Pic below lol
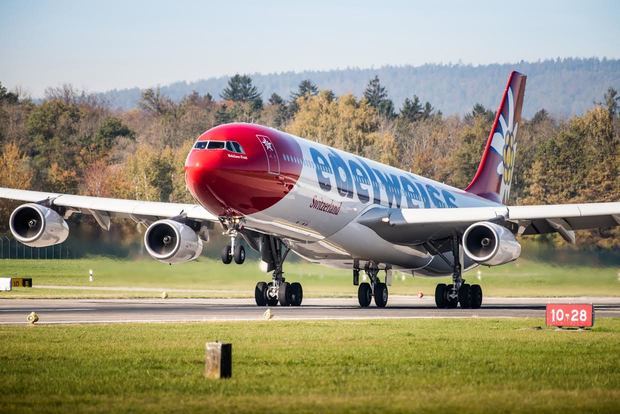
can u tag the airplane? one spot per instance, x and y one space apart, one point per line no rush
278 193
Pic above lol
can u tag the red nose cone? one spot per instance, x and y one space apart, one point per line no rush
239 169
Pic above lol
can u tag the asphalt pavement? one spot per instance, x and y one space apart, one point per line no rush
51 311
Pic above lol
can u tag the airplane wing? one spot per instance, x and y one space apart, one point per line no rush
413 226
102 208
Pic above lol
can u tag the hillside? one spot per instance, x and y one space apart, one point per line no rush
564 87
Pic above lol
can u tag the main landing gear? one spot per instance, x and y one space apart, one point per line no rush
274 252
375 289
458 292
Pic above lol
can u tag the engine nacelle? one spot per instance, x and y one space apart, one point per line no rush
490 244
38 226
172 242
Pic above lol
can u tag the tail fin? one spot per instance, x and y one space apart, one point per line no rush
494 175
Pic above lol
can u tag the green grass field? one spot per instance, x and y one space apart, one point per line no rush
210 278
426 365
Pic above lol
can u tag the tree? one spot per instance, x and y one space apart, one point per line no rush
480 111
377 97
154 103
109 131
342 122
8 97
306 88
411 110
240 89
611 101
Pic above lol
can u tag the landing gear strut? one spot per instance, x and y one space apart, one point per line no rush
274 252
458 292
235 250
377 289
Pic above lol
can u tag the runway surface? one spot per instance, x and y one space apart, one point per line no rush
15 311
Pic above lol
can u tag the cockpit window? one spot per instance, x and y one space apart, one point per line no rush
200 145
229 146
237 147
216 145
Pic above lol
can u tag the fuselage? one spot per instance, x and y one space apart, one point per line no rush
311 195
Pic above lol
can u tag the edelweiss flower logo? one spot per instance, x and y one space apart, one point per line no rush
509 156
504 144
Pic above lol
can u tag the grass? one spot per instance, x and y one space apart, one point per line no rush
210 278
427 365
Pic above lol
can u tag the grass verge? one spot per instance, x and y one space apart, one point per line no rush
210 278
428 365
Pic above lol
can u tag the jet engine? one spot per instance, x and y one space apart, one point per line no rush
490 244
38 226
172 242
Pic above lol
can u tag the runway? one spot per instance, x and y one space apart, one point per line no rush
55 311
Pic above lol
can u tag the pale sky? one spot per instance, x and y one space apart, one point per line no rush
102 45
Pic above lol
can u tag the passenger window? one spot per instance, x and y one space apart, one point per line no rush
216 145
200 145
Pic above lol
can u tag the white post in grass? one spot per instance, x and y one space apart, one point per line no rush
90 275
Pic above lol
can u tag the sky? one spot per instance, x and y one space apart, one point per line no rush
103 45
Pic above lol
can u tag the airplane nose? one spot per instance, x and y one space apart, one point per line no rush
244 177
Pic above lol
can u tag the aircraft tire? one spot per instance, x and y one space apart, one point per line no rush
381 295
364 295
451 303
239 254
284 294
297 294
476 296
260 294
465 296
225 255
441 296
270 301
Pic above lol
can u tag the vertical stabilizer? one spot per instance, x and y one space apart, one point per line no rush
494 175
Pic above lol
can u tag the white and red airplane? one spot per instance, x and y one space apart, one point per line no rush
278 193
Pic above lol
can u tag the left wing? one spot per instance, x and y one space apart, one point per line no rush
413 226
102 208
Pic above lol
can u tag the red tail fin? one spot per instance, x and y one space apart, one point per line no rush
494 175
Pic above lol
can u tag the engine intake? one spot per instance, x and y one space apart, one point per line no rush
490 244
172 242
38 226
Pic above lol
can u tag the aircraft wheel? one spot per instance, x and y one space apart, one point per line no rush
476 296
381 295
297 294
284 294
260 294
239 254
226 256
465 296
271 300
364 295
451 303
441 296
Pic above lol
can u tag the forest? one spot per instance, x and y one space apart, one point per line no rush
75 142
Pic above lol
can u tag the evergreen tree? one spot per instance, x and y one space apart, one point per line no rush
377 97
411 110
240 89
611 101
306 88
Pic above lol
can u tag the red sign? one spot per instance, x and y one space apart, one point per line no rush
572 315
